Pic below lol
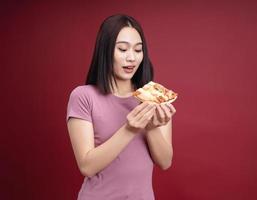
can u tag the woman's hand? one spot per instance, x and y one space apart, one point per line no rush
162 116
140 116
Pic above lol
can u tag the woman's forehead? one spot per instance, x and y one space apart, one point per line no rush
129 35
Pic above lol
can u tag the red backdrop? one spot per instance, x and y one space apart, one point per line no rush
204 51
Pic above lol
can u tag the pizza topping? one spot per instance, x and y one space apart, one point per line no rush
155 92
161 99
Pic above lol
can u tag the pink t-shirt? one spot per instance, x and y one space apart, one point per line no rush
129 176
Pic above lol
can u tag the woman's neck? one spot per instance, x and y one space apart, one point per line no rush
123 88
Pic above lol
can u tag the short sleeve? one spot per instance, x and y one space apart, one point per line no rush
79 104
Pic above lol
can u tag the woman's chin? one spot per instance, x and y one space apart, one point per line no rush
125 77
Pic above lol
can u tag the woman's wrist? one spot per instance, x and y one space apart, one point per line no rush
130 129
151 127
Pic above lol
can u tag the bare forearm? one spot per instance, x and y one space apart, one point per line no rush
161 151
100 157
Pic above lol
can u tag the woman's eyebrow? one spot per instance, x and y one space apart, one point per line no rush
128 42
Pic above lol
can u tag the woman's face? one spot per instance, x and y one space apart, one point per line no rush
128 53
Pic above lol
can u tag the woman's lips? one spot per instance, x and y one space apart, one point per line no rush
129 66
128 69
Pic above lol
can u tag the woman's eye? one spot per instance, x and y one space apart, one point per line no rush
122 49
138 51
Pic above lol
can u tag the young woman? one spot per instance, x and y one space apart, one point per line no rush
115 138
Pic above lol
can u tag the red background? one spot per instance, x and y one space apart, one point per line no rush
205 51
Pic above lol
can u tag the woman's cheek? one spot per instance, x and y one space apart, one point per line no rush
140 58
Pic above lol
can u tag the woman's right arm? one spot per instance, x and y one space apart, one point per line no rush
91 159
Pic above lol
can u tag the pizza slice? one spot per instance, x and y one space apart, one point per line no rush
155 92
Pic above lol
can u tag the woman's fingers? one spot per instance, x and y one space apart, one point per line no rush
144 119
152 114
167 112
155 120
143 110
146 113
153 123
160 114
139 108
141 115
163 114
171 108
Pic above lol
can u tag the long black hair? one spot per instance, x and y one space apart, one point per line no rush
101 69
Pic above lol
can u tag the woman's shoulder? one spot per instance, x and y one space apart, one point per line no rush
84 91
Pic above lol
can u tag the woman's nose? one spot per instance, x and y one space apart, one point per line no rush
131 56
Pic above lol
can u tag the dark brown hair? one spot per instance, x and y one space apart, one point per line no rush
101 68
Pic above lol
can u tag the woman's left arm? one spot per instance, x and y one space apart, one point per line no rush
159 136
